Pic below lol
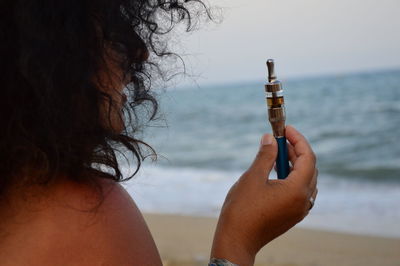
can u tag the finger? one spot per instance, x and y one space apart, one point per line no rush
304 166
266 156
313 199
298 141
314 195
314 180
292 154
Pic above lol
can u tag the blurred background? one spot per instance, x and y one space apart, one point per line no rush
339 62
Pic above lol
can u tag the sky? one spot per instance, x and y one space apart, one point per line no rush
305 37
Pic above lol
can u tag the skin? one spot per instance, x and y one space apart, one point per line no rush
257 209
62 225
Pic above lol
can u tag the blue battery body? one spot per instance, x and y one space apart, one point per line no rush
282 161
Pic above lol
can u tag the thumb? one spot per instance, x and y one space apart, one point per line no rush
266 156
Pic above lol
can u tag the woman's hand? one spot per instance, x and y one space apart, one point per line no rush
257 210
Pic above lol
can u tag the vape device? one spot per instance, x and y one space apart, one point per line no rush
277 117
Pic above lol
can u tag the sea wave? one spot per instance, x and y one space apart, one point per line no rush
351 121
342 205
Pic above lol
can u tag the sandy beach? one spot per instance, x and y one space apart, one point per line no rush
186 240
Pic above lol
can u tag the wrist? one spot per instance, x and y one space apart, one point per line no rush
233 251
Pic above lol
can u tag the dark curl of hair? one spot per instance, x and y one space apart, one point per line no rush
51 55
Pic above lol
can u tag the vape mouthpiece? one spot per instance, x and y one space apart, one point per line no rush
271 70
273 85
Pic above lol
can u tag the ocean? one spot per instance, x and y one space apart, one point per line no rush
208 136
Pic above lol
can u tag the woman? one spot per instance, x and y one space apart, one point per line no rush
75 88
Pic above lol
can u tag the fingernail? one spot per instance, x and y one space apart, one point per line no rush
266 140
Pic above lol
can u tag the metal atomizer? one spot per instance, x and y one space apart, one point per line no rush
277 117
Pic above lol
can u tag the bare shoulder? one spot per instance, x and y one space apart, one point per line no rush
73 232
114 233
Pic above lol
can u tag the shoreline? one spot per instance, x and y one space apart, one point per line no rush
186 240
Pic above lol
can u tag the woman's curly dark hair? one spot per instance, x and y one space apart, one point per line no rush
53 58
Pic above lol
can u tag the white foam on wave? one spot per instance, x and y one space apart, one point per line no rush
342 205
183 190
